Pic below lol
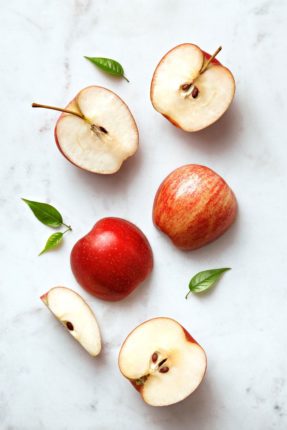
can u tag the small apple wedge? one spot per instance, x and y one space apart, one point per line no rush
191 88
76 315
96 131
162 361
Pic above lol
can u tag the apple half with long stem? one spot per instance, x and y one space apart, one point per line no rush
191 88
194 206
76 315
162 361
96 130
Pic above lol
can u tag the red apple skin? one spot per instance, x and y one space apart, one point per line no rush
63 114
44 297
189 338
206 55
194 206
112 259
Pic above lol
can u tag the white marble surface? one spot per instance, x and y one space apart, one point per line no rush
46 380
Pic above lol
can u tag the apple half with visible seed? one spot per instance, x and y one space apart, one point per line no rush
191 88
162 361
76 315
96 131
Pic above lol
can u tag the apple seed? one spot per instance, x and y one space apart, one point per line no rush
164 369
186 87
195 92
103 130
69 326
162 362
154 357
97 128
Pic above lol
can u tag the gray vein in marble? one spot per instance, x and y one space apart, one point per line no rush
28 20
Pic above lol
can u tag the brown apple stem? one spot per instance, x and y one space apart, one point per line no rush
210 59
36 105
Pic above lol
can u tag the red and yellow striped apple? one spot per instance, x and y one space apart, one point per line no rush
194 206
162 361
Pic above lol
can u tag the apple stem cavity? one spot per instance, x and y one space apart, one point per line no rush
189 88
141 380
205 66
37 105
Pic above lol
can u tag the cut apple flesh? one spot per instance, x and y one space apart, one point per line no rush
190 99
163 361
76 315
105 136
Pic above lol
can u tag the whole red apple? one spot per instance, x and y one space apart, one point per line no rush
194 206
112 259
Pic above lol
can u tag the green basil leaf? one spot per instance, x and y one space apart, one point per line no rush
45 213
204 280
109 66
53 241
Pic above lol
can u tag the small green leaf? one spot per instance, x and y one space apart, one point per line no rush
109 66
53 241
45 213
204 280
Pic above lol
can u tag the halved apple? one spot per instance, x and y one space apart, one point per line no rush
76 315
162 361
96 130
191 88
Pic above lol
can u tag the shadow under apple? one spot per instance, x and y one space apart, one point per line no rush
108 184
189 413
217 247
216 138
